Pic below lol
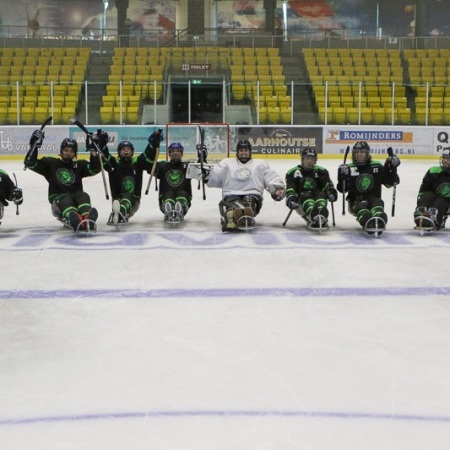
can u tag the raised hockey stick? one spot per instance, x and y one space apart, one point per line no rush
31 151
344 187
287 217
390 152
76 122
202 159
153 170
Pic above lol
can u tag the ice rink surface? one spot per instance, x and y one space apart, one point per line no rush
166 338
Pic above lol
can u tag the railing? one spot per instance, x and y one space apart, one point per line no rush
296 103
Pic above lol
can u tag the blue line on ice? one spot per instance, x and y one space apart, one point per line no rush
225 292
237 414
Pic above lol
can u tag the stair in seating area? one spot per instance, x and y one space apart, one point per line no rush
97 78
295 71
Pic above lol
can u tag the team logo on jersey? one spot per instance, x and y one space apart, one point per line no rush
364 182
444 190
242 174
174 177
128 185
65 177
308 184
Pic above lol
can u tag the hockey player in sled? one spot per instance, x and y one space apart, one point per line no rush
308 189
70 204
362 181
175 182
433 199
125 172
243 181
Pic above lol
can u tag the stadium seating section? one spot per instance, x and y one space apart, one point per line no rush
348 86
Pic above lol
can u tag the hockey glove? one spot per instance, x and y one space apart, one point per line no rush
344 173
293 202
156 138
37 139
278 194
332 194
202 152
392 163
103 138
17 196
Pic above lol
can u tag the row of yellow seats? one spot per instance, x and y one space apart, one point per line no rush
137 69
130 79
45 51
140 60
275 114
35 115
432 102
151 91
428 62
251 90
363 101
426 53
364 115
40 79
125 100
432 116
40 89
42 70
116 114
367 90
274 100
356 52
41 100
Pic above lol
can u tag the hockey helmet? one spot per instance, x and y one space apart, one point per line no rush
68 143
125 144
445 159
243 145
175 146
309 157
361 153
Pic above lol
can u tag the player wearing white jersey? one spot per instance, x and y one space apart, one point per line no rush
243 181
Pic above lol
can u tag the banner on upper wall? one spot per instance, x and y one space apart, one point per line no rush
403 140
283 140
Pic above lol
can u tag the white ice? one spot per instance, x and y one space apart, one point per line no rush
167 338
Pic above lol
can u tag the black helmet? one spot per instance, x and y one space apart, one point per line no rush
125 144
69 142
445 159
361 153
241 145
308 151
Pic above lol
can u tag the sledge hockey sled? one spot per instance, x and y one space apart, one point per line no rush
319 224
424 225
173 217
116 218
375 226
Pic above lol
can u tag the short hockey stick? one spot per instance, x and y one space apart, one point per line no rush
394 190
287 217
76 122
152 173
332 214
344 187
31 151
17 206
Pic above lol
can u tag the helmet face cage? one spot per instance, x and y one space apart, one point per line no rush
70 143
175 146
445 159
243 145
124 144
309 158
361 153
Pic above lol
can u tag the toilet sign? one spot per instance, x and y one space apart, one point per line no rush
197 67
